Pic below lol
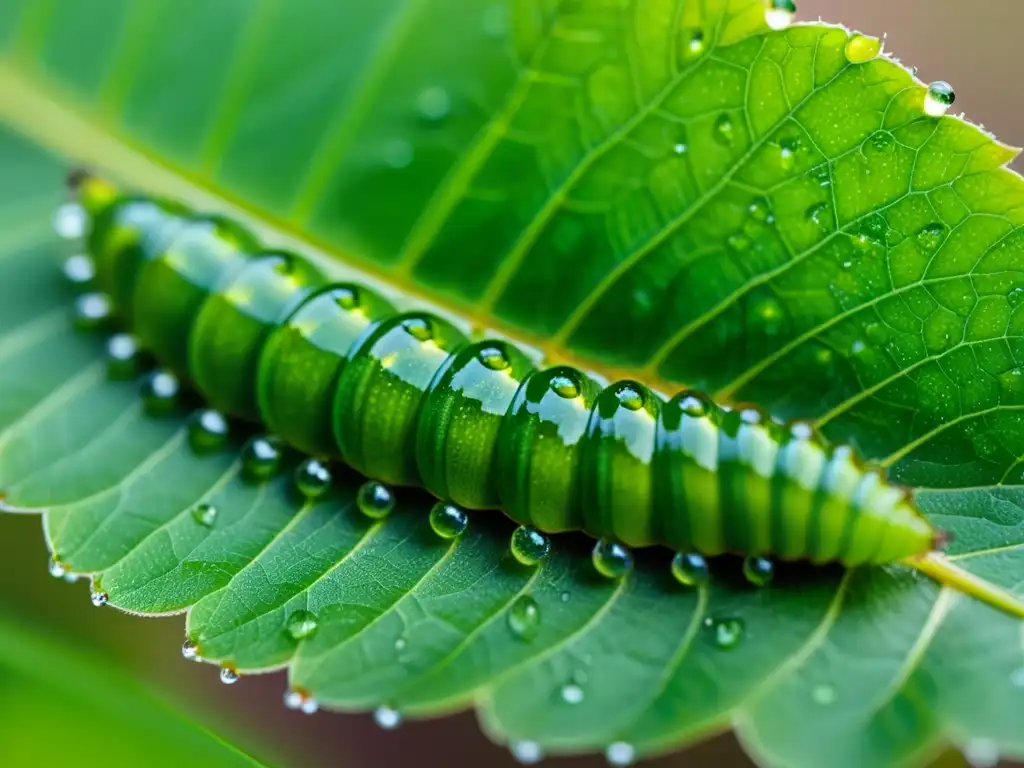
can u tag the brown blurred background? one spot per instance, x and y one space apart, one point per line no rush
972 44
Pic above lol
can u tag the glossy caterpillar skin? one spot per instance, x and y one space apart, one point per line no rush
405 398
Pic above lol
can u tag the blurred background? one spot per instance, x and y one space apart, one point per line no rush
973 45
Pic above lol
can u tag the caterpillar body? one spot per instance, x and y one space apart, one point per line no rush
406 399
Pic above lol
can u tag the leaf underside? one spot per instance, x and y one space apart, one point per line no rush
833 254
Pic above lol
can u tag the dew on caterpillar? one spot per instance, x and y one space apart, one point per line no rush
406 399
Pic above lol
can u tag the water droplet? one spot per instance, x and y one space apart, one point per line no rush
69 221
824 695
620 753
79 269
779 14
1017 677
679 148
694 405
822 175
725 132
770 313
1016 297
529 546
229 675
207 431
565 597
398 154
122 356
629 395
882 143
301 702
611 559
448 520
434 103
692 44
312 479
818 214
92 310
982 753
761 210
690 569
759 570
189 650
787 152
261 458
526 752
57 568
931 236
99 599
302 625
571 693
160 393
739 242
939 99
205 515
493 358
419 328
387 718
861 48
375 500
725 633
524 618
564 386
400 644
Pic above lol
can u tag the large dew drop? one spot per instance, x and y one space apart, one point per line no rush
611 559
69 221
208 431
261 458
387 718
526 752
571 693
375 500
205 515
80 270
189 651
779 14
861 48
312 479
98 598
938 99
57 568
160 393
620 753
524 618
529 546
301 702
759 571
229 675
301 625
448 521
92 310
690 569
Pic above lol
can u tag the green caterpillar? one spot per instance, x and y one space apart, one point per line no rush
405 398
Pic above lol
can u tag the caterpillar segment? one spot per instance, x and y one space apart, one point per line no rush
406 399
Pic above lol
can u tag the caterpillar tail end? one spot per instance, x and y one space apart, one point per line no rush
945 572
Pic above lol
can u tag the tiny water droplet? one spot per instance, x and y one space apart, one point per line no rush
779 14
57 569
725 633
571 693
398 154
160 393
565 597
529 546
375 500
760 210
882 143
400 644
818 214
261 458
207 431
1016 297
387 718
92 310
228 675
611 559
122 356
524 618
692 44
824 695
620 754
189 650
312 479
69 221
99 599
787 153
301 702
739 242
448 520
982 753
690 569
725 132
526 752
931 236
939 98
434 103
205 515
301 625
861 48
679 148
79 269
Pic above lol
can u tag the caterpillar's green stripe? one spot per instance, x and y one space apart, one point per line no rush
407 399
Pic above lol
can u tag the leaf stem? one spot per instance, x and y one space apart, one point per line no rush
940 568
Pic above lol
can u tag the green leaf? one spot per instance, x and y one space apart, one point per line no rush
45 687
756 211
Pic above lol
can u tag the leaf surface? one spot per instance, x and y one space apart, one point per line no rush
764 214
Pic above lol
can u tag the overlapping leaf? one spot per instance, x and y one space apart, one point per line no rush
766 214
